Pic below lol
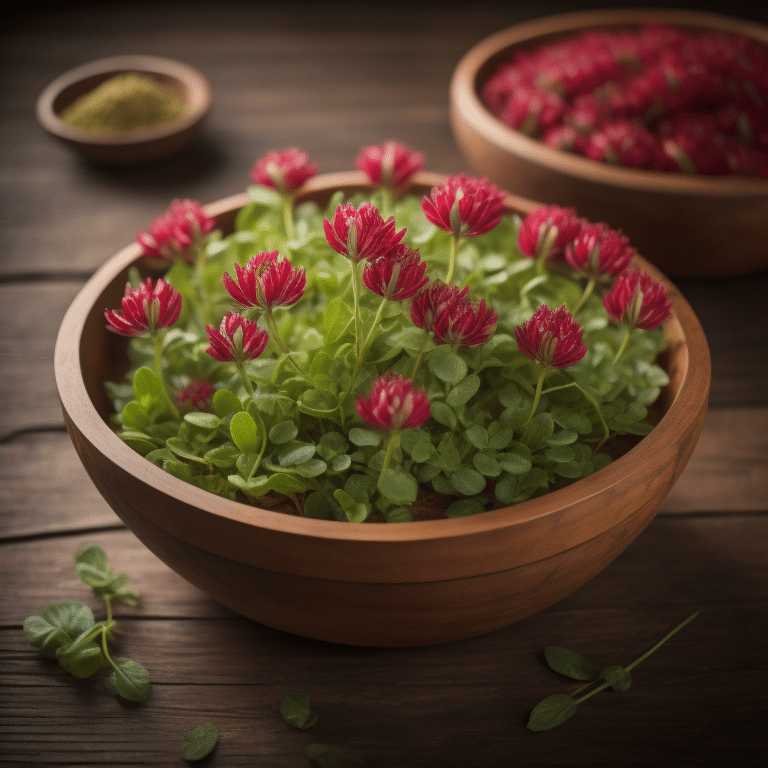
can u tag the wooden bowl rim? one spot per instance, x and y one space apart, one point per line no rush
683 330
197 89
465 98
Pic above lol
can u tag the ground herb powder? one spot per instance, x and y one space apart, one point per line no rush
124 102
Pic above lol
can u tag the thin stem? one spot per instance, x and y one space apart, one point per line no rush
367 342
275 335
624 343
387 196
157 339
246 380
537 395
290 229
588 288
420 357
392 444
356 303
452 259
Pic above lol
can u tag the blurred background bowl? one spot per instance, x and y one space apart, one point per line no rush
139 145
689 225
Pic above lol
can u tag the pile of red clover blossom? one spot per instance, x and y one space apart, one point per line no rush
389 357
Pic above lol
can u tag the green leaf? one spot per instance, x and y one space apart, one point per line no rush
134 416
80 658
539 430
467 481
199 742
331 756
58 625
464 390
486 464
364 437
183 449
223 455
617 676
355 511
294 453
92 567
202 419
147 387
464 508
477 436
569 663
551 712
294 707
447 365
226 402
443 414
131 680
517 460
398 486
44 635
283 432
245 432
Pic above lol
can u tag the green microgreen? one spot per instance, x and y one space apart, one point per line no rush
69 631
559 707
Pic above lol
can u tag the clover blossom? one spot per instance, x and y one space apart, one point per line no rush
545 232
391 164
551 338
174 234
145 309
266 282
434 301
361 233
397 276
236 339
196 395
284 171
394 404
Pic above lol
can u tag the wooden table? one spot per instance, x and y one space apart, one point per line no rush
331 80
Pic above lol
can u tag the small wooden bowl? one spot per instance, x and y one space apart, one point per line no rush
388 584
136 146
688 225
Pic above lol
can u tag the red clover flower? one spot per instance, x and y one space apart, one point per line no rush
196 395
546 231
236 339
361 233
394 404
397 276
174 234
599 250
266 282
145 309
551 338
284 171
391 164
638 300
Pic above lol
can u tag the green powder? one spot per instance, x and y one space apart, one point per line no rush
122 103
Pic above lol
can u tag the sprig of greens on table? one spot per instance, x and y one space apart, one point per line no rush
69 631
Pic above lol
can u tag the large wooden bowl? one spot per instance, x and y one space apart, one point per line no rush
137 146
374 584
687 225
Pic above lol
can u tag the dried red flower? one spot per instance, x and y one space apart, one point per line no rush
284 171
599 250
145 309
197 395
449 313
394 404
236 339
397 276
638 300
266 282
362 233
464 205
391 164
547 230
551 338
173 234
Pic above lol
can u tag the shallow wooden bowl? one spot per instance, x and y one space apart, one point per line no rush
374 584
687 225
130 147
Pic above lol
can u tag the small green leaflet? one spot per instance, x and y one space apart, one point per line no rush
551 712
199 742
294 707
569 663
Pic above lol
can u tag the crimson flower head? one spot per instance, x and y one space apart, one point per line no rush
236 339
361 233
197 395
172 234
599 250
552 338
464 206
397 276
391 164
547 230
266 282
638 300
284 171
145 309
452 316
394 404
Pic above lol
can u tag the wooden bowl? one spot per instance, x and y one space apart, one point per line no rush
688 225
139 145
388 584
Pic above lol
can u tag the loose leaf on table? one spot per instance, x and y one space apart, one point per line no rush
93 569
551 712
199 742
58 625
130 680
569 663
332 756
295 709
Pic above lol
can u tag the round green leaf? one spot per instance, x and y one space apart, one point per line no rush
199 742
467 481
398 486
131 681
202 419
283 432
226 402
447 365
295 709
245 432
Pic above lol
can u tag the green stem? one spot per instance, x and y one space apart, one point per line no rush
537 396
420 357
452 259
263 430
641 658
388 197
201 310
392 444
246 380
274 334
588 288
157 339
624 343
367 342
356 302
287 203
